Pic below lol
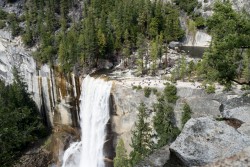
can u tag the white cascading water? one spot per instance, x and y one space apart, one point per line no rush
94 115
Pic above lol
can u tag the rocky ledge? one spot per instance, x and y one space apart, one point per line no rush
205 140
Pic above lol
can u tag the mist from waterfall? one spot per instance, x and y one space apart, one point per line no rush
94 115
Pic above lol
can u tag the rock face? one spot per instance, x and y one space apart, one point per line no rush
37 157
158 159
16 7
198 39
13 54
47 86
237 108
206 6
205 140
124 115
241 159
173 44
200 103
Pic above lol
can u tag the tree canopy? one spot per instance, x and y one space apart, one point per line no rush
230 32
104 29
20 121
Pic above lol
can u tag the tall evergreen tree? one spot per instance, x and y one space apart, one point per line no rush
164 117
121 159
142 47
141 139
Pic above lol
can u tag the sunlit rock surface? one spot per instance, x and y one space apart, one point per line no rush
48 87
205 140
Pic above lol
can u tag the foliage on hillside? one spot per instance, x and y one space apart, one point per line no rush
187 5
20 122
227 59
107 29
186 115
164 121
143 140
121 159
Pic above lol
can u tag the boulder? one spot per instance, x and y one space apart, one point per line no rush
174 44
205 140
2 3
244 129
186 92
241 159
237 108
158 159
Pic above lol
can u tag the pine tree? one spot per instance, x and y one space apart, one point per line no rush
246 70
20 120
27 37
164 117
141 45
141 139
126 49
154 55
153 27
121 159
101 42
183 67
186 115
13 21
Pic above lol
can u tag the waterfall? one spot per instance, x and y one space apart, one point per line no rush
94 115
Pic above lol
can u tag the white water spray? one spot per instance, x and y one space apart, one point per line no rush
94 115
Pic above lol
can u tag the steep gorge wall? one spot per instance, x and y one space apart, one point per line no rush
54 93
125 102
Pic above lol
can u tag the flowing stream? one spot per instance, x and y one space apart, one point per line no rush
94 115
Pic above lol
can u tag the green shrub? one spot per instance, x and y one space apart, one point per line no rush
187 5
137 87
200 22
14 24
245 87
3 14
191 27
186 115
121 158
154 91
170 92
2 24
147 91
210 89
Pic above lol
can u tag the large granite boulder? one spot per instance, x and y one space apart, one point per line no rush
174 44
201 103
158 159
205 140
237 108
241 159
